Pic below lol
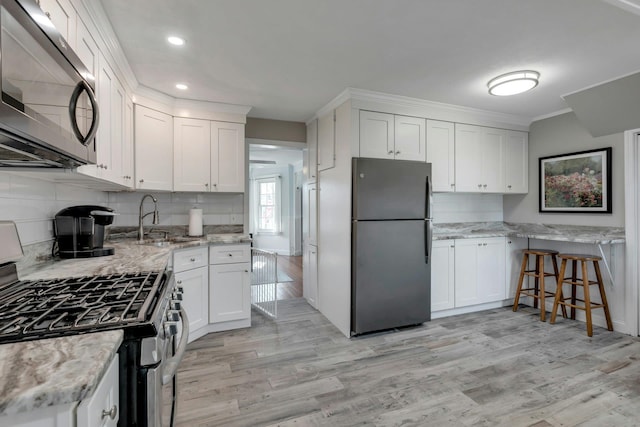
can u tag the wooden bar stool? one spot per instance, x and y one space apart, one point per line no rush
583 281
537 292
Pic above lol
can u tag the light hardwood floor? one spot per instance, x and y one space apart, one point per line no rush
492 368
292 266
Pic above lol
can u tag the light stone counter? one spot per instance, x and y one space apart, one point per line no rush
562 233
56 371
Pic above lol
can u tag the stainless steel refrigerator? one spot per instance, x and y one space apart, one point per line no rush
391 244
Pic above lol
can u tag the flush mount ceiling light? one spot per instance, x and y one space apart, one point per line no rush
182 86
177 41
513 83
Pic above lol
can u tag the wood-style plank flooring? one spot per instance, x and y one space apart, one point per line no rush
491 368
292 266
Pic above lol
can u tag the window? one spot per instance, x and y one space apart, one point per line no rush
268 205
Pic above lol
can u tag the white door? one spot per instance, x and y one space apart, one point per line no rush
468 159
493 141
191 154
153 149
466 272
326 141
440 153
491 270
442 275
377 135
312 151
229 292
195 285
517 162
227 157
310 275
410 137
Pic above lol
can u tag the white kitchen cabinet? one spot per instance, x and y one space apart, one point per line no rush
310 275
86 48
191 154
326 141
227 157
311 153
191 267
229 284
479 271
513 262
388 136
441 155
310 212
517 162
63 16
153 149
105 399
442 275
479 160
127 148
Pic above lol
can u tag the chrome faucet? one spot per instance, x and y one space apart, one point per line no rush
156 219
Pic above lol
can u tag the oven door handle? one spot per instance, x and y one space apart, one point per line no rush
171 366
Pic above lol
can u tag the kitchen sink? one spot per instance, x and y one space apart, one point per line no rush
167 241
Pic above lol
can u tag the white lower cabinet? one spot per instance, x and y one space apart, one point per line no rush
101 409
310 275
513 261
442 275
230 286
195 285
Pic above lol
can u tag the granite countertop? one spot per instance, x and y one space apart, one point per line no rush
562 233
55 371
129 257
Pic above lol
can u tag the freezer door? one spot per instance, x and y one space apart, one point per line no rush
391 279
389 189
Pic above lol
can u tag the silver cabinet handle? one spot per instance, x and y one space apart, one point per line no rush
141 181
192 259
111 413
390 152
206 184
479 244
508 186
230 254
246 271
479 185
397 152
179 282
485 185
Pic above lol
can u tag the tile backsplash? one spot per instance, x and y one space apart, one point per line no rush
457 207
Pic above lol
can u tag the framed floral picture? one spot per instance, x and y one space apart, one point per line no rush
576 182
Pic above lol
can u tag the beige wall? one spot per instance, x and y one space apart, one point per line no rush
558 135
277 130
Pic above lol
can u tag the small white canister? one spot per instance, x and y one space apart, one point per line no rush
195 222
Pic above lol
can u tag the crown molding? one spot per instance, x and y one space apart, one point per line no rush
549 115
601 83
108 40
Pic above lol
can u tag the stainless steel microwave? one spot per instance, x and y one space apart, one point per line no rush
48 109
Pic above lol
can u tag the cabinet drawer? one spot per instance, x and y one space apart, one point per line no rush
93 411
226 254
186 259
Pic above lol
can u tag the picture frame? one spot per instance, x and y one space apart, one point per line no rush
577 182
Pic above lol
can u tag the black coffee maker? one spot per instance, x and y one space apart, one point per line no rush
79 231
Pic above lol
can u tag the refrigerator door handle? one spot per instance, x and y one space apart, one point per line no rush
428 199
428 236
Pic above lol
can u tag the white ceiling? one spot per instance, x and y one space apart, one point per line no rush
288 58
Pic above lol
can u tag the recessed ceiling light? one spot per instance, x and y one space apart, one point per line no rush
177 41
513 83
182 86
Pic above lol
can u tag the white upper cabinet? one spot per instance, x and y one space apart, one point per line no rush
311 154
441 154
326 141
376 135
388 136
479 159
86 48
227 157
127 148
191 154
153 149
409 136
63 16
517 162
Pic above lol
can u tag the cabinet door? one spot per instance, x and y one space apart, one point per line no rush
311 158
409 138
440 153
513 262
195 285
86 48
191 154
104 93
377 135
229 292
468 159
442 275
491 270
153 149
127 146
326 141
517 162
227 157
310 275
493 142
118 103
466 272
313 214
63 16
105 398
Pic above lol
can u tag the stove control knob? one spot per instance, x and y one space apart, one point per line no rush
179 288
175 305
176 296
173 315
170 328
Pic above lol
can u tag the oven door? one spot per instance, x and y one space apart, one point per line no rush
162 384
47 95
